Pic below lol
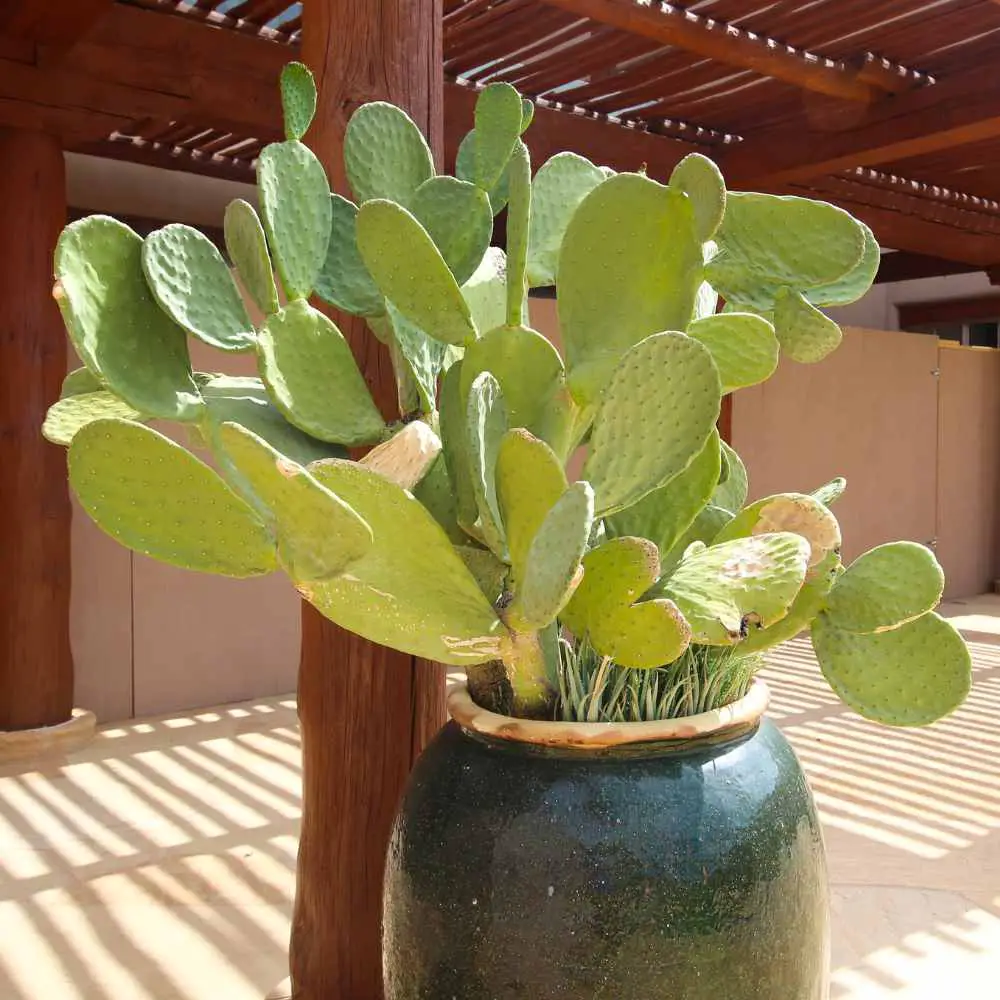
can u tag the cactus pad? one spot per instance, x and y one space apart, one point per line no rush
407 456
154 497
465 169
701 180
247 249
856 282
118 330
295 201
195 288
409 269
455 447
529 371
486 423
412 590
298 99
886 587
80 380
808 603
530 479
437 494
518 223
641 437
527 114
806 335
458 217
743 346
731 493
561 183
344 281
245 401
709 522
829 493
796 512
726 589
486 291
314 379
424 355
665 514
910 676
499 116
553 569
385 154
768 241
603 608
68 416
629 266
488 571
319 535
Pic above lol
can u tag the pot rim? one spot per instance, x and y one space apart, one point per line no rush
738 715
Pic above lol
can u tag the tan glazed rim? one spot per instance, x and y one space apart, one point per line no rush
599 735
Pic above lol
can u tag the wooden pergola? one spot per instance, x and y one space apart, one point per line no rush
887 108
890 108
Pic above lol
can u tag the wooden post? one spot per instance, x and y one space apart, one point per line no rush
36 669
365 711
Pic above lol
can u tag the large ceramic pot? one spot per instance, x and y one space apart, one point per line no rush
556 861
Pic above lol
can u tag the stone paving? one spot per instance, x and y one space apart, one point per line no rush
158 863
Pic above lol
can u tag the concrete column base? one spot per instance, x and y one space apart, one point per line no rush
48 741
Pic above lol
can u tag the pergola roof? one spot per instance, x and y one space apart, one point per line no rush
888 107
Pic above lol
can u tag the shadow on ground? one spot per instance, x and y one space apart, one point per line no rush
158 864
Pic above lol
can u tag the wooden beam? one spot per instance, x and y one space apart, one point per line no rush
36 667
668 24
142 64
905 265
365 710
900 229
963 310
557 128
961 109
144 70
55 26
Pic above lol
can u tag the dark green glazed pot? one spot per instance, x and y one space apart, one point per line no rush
688 869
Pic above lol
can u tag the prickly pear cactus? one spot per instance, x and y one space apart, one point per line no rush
458 535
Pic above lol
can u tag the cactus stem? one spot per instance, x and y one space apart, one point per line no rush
528 672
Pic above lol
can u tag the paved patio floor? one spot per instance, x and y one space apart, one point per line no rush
158 864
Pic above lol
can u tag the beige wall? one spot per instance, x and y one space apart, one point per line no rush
149 638
921 452
968 469
869 413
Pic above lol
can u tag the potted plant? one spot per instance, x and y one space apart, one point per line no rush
610 814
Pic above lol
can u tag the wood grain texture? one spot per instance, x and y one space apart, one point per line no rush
365 710
36 669
668 24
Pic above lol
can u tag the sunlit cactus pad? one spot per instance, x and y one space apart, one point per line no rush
529 503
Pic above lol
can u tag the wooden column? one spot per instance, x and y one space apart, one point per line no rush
36 670
365 711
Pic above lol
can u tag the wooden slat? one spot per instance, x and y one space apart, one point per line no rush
959 110
168 159
139 64
897 229
672 25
